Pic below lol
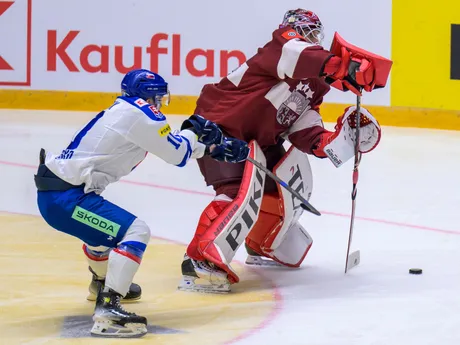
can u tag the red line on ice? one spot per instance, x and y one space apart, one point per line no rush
195 192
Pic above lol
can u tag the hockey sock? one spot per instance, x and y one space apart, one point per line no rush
97 259
124 260
123 264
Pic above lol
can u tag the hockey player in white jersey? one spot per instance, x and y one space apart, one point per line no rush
107 148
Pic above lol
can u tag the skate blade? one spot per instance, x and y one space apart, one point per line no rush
253 260
92 298
108 329
189 285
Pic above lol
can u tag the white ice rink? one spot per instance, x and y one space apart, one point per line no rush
408 210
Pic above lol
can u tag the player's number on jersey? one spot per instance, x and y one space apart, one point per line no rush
175 140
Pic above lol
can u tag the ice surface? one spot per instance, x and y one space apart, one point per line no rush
408 210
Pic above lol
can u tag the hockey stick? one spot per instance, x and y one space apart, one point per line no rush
305 204
353 259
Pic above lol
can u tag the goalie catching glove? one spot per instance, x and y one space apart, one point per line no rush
339 145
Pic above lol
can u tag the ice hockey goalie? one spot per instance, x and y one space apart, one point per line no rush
274 97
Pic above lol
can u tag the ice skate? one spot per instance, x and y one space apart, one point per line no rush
255 259
215 278
111 320
133 294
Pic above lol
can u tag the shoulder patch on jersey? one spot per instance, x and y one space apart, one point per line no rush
156 112
140 102
290 34
151 111
165 130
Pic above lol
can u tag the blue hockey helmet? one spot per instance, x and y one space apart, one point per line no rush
145 84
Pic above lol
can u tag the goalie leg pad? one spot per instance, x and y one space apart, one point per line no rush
218 240
294 246
207 218
270 219
276 235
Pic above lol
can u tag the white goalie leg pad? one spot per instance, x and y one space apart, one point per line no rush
294 246
342 148
289 243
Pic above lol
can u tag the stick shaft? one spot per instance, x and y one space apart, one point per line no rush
306 205
355 179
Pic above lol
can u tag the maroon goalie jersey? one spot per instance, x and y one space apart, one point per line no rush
274 95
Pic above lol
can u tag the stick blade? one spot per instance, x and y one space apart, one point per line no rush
353 260
310 208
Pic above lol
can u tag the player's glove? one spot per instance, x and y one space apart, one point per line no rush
350 73
231 150
339 145
207 131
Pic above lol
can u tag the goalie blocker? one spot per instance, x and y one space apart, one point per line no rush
267 222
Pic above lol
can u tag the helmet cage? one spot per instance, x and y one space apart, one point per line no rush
313 34
306 23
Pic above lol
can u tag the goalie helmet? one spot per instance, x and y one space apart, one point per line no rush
145 84
306 23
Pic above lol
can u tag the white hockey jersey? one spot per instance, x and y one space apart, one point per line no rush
112 144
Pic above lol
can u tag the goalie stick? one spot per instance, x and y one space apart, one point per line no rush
353 259
305 204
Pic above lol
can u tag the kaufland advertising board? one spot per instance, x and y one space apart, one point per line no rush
87 45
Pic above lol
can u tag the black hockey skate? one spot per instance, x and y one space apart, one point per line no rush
111 320
215 279
133 294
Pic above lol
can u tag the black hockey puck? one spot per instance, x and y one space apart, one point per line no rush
415 271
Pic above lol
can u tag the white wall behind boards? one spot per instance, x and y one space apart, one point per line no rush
86 45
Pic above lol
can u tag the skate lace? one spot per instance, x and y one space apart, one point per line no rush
120 307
